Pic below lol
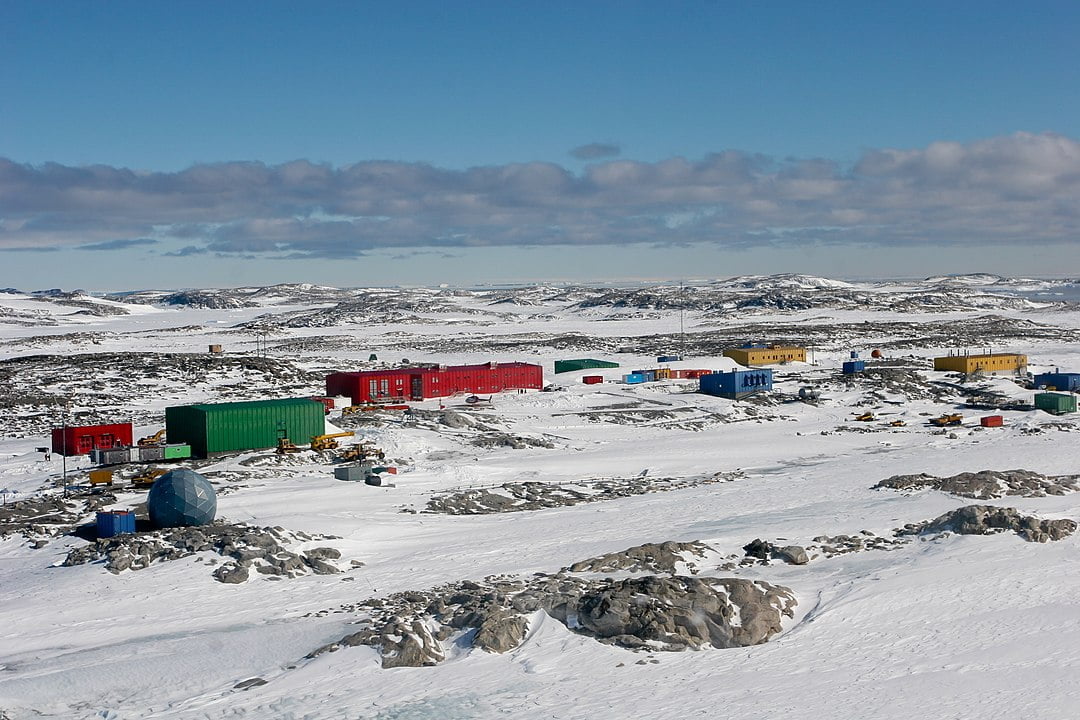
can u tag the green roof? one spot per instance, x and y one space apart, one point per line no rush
283 402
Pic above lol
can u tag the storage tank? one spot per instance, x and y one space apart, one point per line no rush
181 498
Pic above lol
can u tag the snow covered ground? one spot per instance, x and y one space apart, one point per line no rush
952 626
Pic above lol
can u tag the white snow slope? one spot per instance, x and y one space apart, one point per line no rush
942 627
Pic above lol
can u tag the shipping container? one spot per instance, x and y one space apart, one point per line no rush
81 439
650 375
115 522
177 452
562 366
352 473
225 427
668 358
592 379
101 477
432 381
1055 403
633 378
853 366
992 421
155 453
114 456
736 384
1067 382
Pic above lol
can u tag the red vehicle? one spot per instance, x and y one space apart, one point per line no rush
432 381
81 439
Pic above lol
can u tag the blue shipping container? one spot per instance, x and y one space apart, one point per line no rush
115 522
736 383
669 358
854 366
650 375
854 355
1059 381
633 378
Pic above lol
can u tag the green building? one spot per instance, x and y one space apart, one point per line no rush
562 366
224 427
1055 403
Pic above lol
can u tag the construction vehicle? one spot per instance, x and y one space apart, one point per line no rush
865 417
359 453
947 419
286 446
897 423
328 441
157 438
147 477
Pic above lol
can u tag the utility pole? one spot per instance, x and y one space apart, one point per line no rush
63 445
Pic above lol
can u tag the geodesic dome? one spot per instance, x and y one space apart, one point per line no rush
181 498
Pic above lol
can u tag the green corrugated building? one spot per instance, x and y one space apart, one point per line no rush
1055 403
224 427
562 366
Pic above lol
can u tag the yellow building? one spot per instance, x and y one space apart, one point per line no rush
766 355
1005 362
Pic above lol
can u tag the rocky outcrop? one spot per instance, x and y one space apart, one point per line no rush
654 612
248 547
987 483
651 557
988 519
523 496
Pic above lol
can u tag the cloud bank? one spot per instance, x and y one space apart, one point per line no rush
1022 188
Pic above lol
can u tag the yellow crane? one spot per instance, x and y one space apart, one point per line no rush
328 441
157 438
147 477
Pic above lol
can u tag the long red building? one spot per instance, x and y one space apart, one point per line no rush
81 439
432 381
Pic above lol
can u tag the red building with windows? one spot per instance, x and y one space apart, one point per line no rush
81 439
432 381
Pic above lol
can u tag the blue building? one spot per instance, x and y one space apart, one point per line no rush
736 384
853 366
1059 381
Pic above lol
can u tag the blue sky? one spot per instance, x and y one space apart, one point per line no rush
356 143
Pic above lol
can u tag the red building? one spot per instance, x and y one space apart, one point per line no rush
81 439
432 381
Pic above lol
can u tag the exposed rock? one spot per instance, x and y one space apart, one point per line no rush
759 549
249 683
987 483
650 557
523 496
988 519
793 554
658 613
231 573
500 631
243 544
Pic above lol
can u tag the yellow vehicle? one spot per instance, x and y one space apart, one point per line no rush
897 423
947 419
328 441
147 477
865 417
286 446
157 438
359 453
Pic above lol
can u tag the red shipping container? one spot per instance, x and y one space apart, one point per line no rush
592 379
992 421
81 439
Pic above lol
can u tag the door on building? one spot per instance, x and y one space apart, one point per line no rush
416 388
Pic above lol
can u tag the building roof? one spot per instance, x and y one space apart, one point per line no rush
423 369
211 407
